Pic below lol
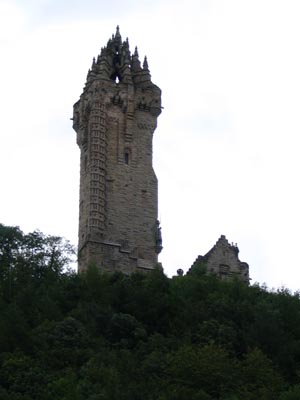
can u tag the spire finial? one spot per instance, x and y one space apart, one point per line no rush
117 36
145 64
135 62
94 64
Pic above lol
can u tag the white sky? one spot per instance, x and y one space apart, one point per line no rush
227 143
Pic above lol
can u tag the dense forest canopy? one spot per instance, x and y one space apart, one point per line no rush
65 336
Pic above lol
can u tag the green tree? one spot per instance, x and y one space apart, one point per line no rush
258 377
292 393
28 257
208 369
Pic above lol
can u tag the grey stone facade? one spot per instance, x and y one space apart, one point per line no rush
223 261
115 119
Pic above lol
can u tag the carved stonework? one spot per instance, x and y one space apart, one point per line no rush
148 127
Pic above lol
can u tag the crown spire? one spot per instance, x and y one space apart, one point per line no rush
115 61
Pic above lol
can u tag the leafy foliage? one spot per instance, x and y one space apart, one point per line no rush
110 336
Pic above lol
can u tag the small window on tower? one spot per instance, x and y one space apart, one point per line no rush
126 157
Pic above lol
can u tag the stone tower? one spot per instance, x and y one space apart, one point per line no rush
115 119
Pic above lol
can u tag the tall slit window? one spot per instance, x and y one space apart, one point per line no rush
126 157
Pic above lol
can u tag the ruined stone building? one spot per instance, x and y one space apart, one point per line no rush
223 260
115 119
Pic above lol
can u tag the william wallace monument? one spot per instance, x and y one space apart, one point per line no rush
115 119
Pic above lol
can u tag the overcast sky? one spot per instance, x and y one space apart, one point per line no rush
226 150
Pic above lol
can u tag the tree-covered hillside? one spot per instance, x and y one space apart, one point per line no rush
95 336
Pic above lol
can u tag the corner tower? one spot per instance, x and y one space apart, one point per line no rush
115 119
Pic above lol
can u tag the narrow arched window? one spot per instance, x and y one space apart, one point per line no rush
126 157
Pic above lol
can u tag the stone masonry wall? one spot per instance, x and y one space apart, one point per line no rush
223 261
